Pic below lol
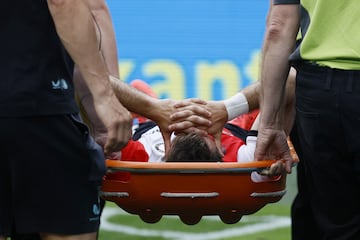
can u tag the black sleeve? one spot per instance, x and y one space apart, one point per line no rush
286 2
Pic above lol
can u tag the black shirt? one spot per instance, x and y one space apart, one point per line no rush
35 69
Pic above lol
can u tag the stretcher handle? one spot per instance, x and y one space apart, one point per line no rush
189 195
268 194
114 194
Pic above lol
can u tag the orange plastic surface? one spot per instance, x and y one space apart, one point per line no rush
190 190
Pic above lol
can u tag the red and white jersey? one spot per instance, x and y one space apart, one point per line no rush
150 147
235 149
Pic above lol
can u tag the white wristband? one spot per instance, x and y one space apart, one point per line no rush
236 105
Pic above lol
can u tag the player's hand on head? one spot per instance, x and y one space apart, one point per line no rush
191 115
218 117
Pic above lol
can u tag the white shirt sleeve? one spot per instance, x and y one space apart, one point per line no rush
246 152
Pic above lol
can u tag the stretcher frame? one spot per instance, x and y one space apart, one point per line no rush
190 190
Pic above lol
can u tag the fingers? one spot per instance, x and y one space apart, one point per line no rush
100 138
190 114
272 144
190 101
192 130
276 169
167 141
111 150
119 133
288 163
190 107
260 149
217 139
117 140
190 124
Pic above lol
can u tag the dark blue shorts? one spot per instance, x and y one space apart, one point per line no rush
50 175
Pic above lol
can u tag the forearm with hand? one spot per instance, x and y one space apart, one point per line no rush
223 111
278 44
137 101
75 27
158 110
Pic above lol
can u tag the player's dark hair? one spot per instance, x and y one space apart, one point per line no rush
192 148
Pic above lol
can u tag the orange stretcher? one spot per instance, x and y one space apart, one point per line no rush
190 190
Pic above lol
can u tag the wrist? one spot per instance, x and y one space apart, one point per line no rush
236 105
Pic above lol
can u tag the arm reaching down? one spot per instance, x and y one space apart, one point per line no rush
75 26
280 37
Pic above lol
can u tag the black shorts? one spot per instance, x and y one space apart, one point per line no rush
50 175
327 141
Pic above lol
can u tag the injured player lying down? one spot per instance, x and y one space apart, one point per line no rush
238 145
238 141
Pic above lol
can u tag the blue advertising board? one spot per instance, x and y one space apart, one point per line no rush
190 48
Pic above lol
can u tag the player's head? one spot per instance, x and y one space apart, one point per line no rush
193 147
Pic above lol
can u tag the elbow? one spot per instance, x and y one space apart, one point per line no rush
98 7
283 23
275 29
59 7
57 3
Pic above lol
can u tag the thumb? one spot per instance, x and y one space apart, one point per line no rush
260 150
167 142
288 162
